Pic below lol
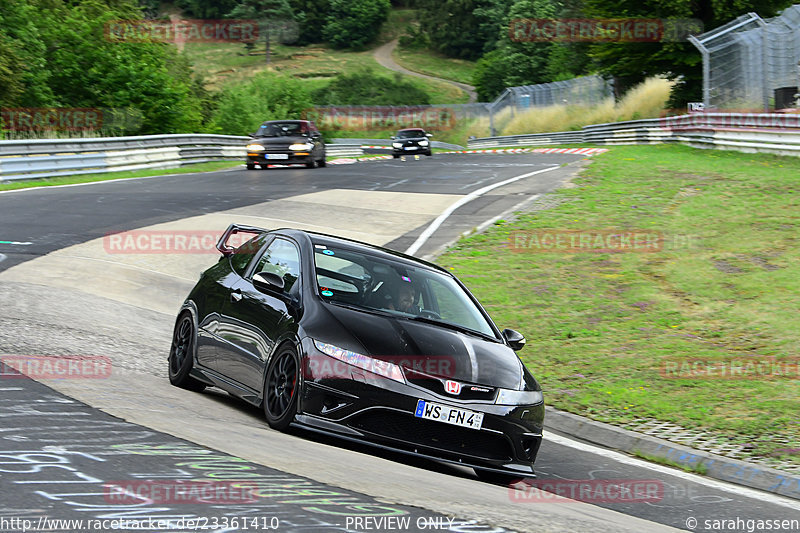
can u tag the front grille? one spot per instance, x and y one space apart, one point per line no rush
446 437
436 385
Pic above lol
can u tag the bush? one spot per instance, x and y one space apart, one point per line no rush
364 87
267 96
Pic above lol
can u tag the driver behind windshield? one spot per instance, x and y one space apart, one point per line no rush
404 300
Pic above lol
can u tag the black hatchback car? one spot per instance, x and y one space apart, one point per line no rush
360 342
286 142
411 141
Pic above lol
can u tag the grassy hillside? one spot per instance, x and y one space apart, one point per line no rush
224 63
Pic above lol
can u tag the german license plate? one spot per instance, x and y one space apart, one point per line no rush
448 415
410 148
276 156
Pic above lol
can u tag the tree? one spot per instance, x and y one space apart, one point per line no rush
463 29
273 15
266 96
630 63
63 58
352 24
207 9
515 62
311 16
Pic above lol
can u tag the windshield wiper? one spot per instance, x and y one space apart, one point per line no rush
450 325
361 308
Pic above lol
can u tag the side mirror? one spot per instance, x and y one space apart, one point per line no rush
429 135
252 135
392 137
268 282
514 339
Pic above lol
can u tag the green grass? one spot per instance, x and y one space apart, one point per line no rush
434 64
89 178
601 326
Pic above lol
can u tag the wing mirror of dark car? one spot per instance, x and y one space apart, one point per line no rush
429 135
268 282
514 339
393 137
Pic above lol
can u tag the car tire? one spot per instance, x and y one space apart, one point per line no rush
181 354
322 162
429 153
251 166
311 163
396 156
281 388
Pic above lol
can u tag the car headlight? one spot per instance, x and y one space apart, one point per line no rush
364 362
397 145
518 397
254 147
301 146
423 143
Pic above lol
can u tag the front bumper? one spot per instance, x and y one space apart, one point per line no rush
410 150
365 407
276 158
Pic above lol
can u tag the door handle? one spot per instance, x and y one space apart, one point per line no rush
236 296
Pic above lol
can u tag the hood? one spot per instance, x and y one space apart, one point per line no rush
422 349
266 141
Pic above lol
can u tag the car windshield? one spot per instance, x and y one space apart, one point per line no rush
410 134
374 284
281 129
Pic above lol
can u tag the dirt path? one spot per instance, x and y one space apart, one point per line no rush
383 55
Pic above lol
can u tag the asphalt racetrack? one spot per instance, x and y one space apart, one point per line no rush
68 288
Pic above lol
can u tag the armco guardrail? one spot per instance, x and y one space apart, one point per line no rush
46 158
388 143
561 137
777 133
346 150
49 158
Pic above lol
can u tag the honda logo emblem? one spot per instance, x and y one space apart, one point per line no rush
453 387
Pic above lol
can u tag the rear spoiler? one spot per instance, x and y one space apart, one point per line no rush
222 243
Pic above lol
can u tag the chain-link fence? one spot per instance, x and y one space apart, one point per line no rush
751 63
584 91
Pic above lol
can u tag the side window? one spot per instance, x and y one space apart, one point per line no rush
245 253
281 258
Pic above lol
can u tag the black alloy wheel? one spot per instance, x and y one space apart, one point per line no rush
181 355
281 388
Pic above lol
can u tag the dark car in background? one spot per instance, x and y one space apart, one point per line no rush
361 342
286 142
411 141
